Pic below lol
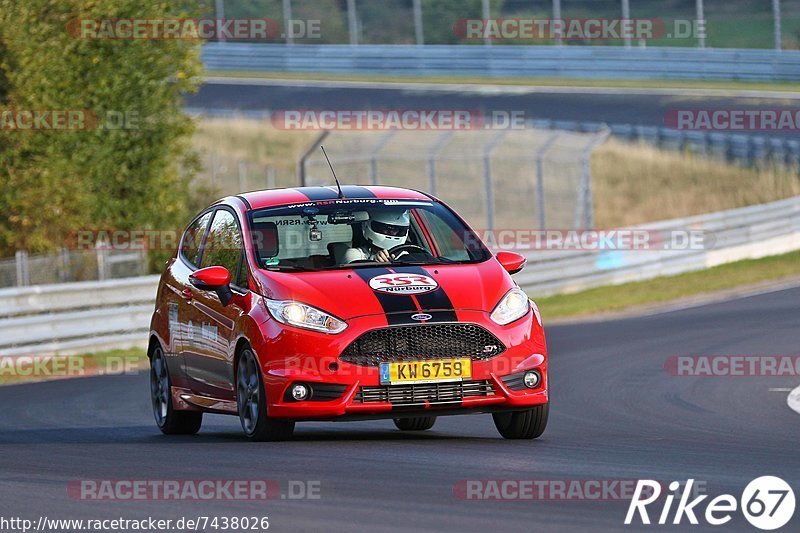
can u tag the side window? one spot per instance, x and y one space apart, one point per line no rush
224 243
193 239
451 245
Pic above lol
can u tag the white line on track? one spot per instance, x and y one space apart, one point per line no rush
794 400
502 89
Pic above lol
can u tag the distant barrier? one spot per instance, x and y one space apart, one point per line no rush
609 62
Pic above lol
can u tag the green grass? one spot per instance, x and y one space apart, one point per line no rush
665 289
549 82
107 362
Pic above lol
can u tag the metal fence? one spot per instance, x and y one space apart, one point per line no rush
71 265
743 149
494 178
700 23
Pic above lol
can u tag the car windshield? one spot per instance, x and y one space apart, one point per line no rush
349 233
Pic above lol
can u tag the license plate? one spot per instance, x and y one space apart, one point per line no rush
426 371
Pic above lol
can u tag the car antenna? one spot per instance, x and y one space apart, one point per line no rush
341 194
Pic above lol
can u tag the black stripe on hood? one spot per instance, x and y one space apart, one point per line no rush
435 300
398 308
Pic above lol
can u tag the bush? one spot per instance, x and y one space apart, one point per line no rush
56 182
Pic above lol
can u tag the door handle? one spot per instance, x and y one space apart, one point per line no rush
187 294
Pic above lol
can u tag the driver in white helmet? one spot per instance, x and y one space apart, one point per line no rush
383 231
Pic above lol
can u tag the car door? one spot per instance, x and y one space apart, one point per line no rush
211 329
180 289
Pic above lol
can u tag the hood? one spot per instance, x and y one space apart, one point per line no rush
394 289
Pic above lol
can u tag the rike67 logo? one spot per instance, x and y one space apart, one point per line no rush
767 503
403 283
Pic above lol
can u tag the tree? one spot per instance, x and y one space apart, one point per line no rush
128 170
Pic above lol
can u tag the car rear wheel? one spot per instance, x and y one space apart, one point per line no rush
418 423
252 401
170 421
522 424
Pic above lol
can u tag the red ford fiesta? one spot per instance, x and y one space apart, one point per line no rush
317 303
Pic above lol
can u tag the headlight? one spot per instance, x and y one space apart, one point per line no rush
304 316
512 306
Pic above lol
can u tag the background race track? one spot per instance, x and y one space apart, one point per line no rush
646 107
616 414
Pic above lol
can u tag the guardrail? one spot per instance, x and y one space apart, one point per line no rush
509 61
744 233
90 316
76 317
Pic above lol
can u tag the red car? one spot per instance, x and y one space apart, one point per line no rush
362 303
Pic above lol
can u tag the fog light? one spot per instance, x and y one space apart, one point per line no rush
531 379
299 392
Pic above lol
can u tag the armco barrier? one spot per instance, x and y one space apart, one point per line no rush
90 316
509 61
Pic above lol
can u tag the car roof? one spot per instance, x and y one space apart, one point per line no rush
277 197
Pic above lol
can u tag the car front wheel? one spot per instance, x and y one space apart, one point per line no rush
528 424
251 401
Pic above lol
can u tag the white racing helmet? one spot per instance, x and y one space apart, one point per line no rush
387 228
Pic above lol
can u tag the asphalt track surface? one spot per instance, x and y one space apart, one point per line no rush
646 108
616 414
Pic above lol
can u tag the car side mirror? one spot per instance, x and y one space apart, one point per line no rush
214 278
511 261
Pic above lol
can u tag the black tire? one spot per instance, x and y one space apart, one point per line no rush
169 421
418 423
251 401
528 424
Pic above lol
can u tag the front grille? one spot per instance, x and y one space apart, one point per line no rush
422 342
419 393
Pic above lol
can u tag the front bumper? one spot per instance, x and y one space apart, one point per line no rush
297 356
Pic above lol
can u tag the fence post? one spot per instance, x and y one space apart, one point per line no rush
287 21
65 264
776 17
270 177
352 21
418 29
701 19
626 15
487 13
540 178
584 200
102 256
301 163
219 9
23 272
373 161
487 176
557 17
431 163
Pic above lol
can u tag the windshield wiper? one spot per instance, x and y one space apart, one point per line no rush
287 268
